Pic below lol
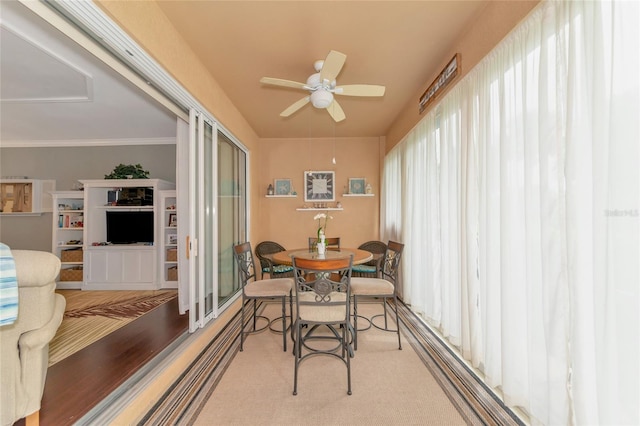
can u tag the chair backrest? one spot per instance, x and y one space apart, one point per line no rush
267 247
246 264
332 243
375 247
322 283
391 261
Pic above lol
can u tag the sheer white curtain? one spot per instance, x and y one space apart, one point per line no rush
520 215
391 197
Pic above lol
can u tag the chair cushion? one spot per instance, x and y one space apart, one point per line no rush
319 313
278 269
276 287
371 287
364 268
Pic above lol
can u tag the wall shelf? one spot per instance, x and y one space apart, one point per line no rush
26 197
281 196
358 195
311 209
132 207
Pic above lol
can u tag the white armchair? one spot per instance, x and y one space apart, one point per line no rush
24 345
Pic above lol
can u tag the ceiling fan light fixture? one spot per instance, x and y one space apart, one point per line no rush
321 98
322 86
314 80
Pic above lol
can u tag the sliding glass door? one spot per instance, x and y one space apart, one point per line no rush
202 218
217 216
232 211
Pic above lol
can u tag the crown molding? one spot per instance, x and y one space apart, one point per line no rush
86 142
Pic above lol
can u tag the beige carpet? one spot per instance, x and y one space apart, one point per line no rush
390 386
91 315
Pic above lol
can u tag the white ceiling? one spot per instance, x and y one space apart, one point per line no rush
53 92
66 94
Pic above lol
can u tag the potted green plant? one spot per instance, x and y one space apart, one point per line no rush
129 171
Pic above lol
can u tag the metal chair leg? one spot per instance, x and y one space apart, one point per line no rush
386 321
255 313
355 322
296 354
395 303
291 313
345 342
284 326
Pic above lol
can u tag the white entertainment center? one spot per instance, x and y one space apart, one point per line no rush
107 266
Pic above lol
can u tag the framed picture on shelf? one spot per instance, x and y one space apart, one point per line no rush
282 187
173 220
319 186
172 239
356 185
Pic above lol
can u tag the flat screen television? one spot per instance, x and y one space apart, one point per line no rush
128 227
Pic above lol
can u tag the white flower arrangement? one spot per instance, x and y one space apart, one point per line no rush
322 228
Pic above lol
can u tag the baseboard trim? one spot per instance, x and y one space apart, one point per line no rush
473 398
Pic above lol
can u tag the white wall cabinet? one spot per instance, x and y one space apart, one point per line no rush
121 266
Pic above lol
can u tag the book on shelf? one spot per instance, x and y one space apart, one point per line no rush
70 220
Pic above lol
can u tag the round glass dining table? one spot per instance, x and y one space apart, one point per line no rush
284 257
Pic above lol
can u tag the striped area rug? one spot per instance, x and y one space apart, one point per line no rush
91 315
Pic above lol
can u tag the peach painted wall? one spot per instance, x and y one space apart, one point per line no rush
289 158
493 23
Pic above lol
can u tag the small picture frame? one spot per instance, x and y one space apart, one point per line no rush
172 239
173 220
356 185
319 186
282 187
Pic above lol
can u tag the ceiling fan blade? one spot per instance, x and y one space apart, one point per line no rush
281 82
360 90
335 111
295 106
332 66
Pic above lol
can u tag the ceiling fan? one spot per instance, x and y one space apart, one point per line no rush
322 86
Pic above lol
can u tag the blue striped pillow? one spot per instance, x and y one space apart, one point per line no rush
8 287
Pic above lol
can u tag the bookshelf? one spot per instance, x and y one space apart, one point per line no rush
67 237
169 240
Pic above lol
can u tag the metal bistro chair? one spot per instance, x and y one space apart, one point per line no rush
332 243
267 266
371 269
252 289
384 288
322 289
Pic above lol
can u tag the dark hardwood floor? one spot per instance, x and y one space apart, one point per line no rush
78 383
